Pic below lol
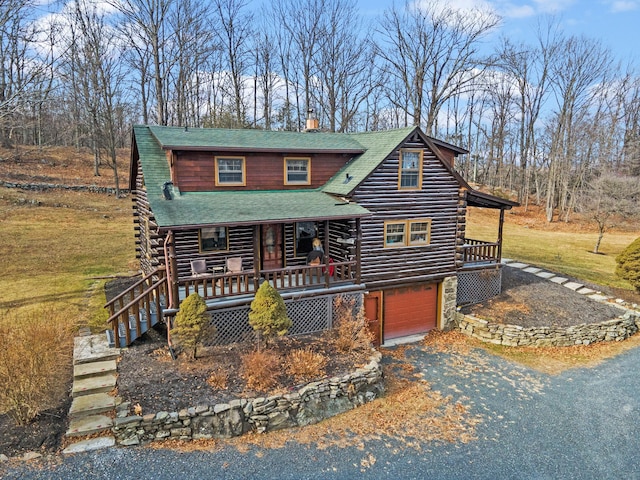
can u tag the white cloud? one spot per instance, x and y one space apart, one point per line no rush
518 11
509 9
618 6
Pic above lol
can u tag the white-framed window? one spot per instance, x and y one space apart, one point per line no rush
419 232
230 171
395 234
297 171
213 239
407 233
410 169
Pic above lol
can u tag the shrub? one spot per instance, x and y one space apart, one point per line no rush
350 332
35 363
305 364
268 315
261 369
191 324
628 264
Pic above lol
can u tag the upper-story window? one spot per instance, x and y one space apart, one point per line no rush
230 171
297 171
410 170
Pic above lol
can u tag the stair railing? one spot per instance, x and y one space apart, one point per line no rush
139 297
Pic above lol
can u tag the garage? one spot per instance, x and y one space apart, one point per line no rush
410 310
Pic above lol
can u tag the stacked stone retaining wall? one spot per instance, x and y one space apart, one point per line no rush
310 404
584 334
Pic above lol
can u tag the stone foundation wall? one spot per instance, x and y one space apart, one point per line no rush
513 335
310 404
449 302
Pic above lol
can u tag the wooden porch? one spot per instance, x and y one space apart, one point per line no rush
218 286
145 303
477 253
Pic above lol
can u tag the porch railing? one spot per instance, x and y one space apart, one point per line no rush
478 251
214 285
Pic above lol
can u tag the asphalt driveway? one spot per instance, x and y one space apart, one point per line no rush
580 424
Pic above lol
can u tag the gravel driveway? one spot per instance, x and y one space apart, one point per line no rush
580 424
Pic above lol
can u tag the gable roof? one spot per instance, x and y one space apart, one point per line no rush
235 140
188 210
378 146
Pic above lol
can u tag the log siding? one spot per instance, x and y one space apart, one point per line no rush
438 200
195 171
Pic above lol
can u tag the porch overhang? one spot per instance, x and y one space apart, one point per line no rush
485 200
197 209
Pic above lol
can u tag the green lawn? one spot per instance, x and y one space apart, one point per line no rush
53 245
566 252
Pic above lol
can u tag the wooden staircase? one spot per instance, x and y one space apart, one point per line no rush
137 309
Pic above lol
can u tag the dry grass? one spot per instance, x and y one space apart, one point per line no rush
261 369
56 250
34 359
218 380
304 364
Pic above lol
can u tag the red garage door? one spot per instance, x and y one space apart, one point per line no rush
410 310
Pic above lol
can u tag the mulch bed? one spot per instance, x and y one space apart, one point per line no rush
149 377
530 301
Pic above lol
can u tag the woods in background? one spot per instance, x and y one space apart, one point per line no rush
544 119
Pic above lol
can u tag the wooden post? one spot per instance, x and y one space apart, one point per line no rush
172 271
326 253
256 258
500 235
358 249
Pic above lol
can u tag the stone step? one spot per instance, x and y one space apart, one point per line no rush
91 385
93 348
94 369
85 405
90 445
89 425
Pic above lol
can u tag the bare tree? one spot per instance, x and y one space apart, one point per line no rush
580 65
610 197
149 19
433 51
234 35
100 75
302 27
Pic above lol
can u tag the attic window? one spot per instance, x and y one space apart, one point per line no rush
230 171
410 170
297 171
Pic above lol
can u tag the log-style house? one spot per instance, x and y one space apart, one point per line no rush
220 211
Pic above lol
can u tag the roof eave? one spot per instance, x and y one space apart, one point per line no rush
165 228
212 148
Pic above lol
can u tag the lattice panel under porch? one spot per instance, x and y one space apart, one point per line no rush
478 285
309 315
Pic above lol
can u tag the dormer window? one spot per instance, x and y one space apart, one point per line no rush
297 171
230 171
410 170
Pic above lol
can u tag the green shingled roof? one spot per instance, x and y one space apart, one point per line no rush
252 207
378 146
247 139
229 207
